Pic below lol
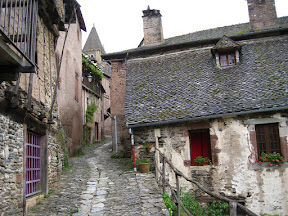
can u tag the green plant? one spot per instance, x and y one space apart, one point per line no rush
61 138
117 155
200 159
73 212
78 153
274 159
88 67
169 205
147 145
142 161
216 208
46 196
91 109
68 168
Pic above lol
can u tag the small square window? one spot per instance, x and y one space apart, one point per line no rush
227 60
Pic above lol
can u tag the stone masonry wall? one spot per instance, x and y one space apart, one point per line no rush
234 171
11 166
55 159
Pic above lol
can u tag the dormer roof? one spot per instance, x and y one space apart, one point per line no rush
225 44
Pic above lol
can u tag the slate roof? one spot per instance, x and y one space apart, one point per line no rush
93 42
188 84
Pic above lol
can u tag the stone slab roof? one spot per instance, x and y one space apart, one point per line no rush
93 42
188 84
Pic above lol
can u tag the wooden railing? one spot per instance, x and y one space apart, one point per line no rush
18 21
176 190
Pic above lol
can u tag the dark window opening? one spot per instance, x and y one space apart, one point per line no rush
199 144
268 138
227 59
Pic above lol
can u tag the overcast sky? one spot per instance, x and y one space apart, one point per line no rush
119 22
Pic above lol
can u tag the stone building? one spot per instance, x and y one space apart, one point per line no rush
70 83
93 95
205 94
94 49
32 142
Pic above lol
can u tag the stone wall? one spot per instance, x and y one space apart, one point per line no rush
55 159
11 166
233 171
15 120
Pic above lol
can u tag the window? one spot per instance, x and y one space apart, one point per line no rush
268 138
33 164
199 144
227 59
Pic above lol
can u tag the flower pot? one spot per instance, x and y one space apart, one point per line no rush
144 168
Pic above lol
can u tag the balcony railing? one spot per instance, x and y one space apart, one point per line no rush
18 21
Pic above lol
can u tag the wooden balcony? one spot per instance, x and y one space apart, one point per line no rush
18 22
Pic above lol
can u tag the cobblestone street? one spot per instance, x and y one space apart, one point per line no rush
99 185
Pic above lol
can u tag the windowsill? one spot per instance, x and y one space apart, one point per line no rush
257 166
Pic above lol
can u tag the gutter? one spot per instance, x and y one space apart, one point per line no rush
205 117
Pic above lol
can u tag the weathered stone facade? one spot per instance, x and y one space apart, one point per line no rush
16 121
11 165
234 171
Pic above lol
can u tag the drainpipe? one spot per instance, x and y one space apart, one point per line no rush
85 105
133 149
116 146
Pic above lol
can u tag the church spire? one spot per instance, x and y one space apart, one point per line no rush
93 42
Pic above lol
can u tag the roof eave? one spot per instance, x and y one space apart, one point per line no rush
206 117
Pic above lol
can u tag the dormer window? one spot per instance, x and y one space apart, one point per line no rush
226 52
227 59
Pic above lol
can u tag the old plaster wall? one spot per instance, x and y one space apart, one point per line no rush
106 104
70 107
234 171
118 90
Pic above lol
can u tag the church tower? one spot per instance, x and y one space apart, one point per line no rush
93 47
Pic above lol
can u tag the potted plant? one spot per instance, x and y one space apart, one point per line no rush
201 161
122 138
143 165
147 145
273 159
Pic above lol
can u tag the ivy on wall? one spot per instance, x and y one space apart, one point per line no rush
91 109
89 68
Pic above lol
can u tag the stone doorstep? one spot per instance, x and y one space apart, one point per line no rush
31 202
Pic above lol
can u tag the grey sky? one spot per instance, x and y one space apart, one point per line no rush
119 23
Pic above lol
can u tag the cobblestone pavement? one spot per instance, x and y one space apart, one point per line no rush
98 185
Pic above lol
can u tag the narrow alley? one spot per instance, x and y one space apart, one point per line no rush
99 185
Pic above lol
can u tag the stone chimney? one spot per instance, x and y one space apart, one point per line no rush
262 14
152 24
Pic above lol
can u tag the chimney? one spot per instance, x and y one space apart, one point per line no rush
152 23
262 14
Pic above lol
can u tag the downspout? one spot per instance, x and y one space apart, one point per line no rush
133 149
85 105
116 146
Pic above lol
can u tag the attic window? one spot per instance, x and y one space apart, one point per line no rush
226 52
227 59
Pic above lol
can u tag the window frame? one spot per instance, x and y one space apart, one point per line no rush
209 150
266 128
227 57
